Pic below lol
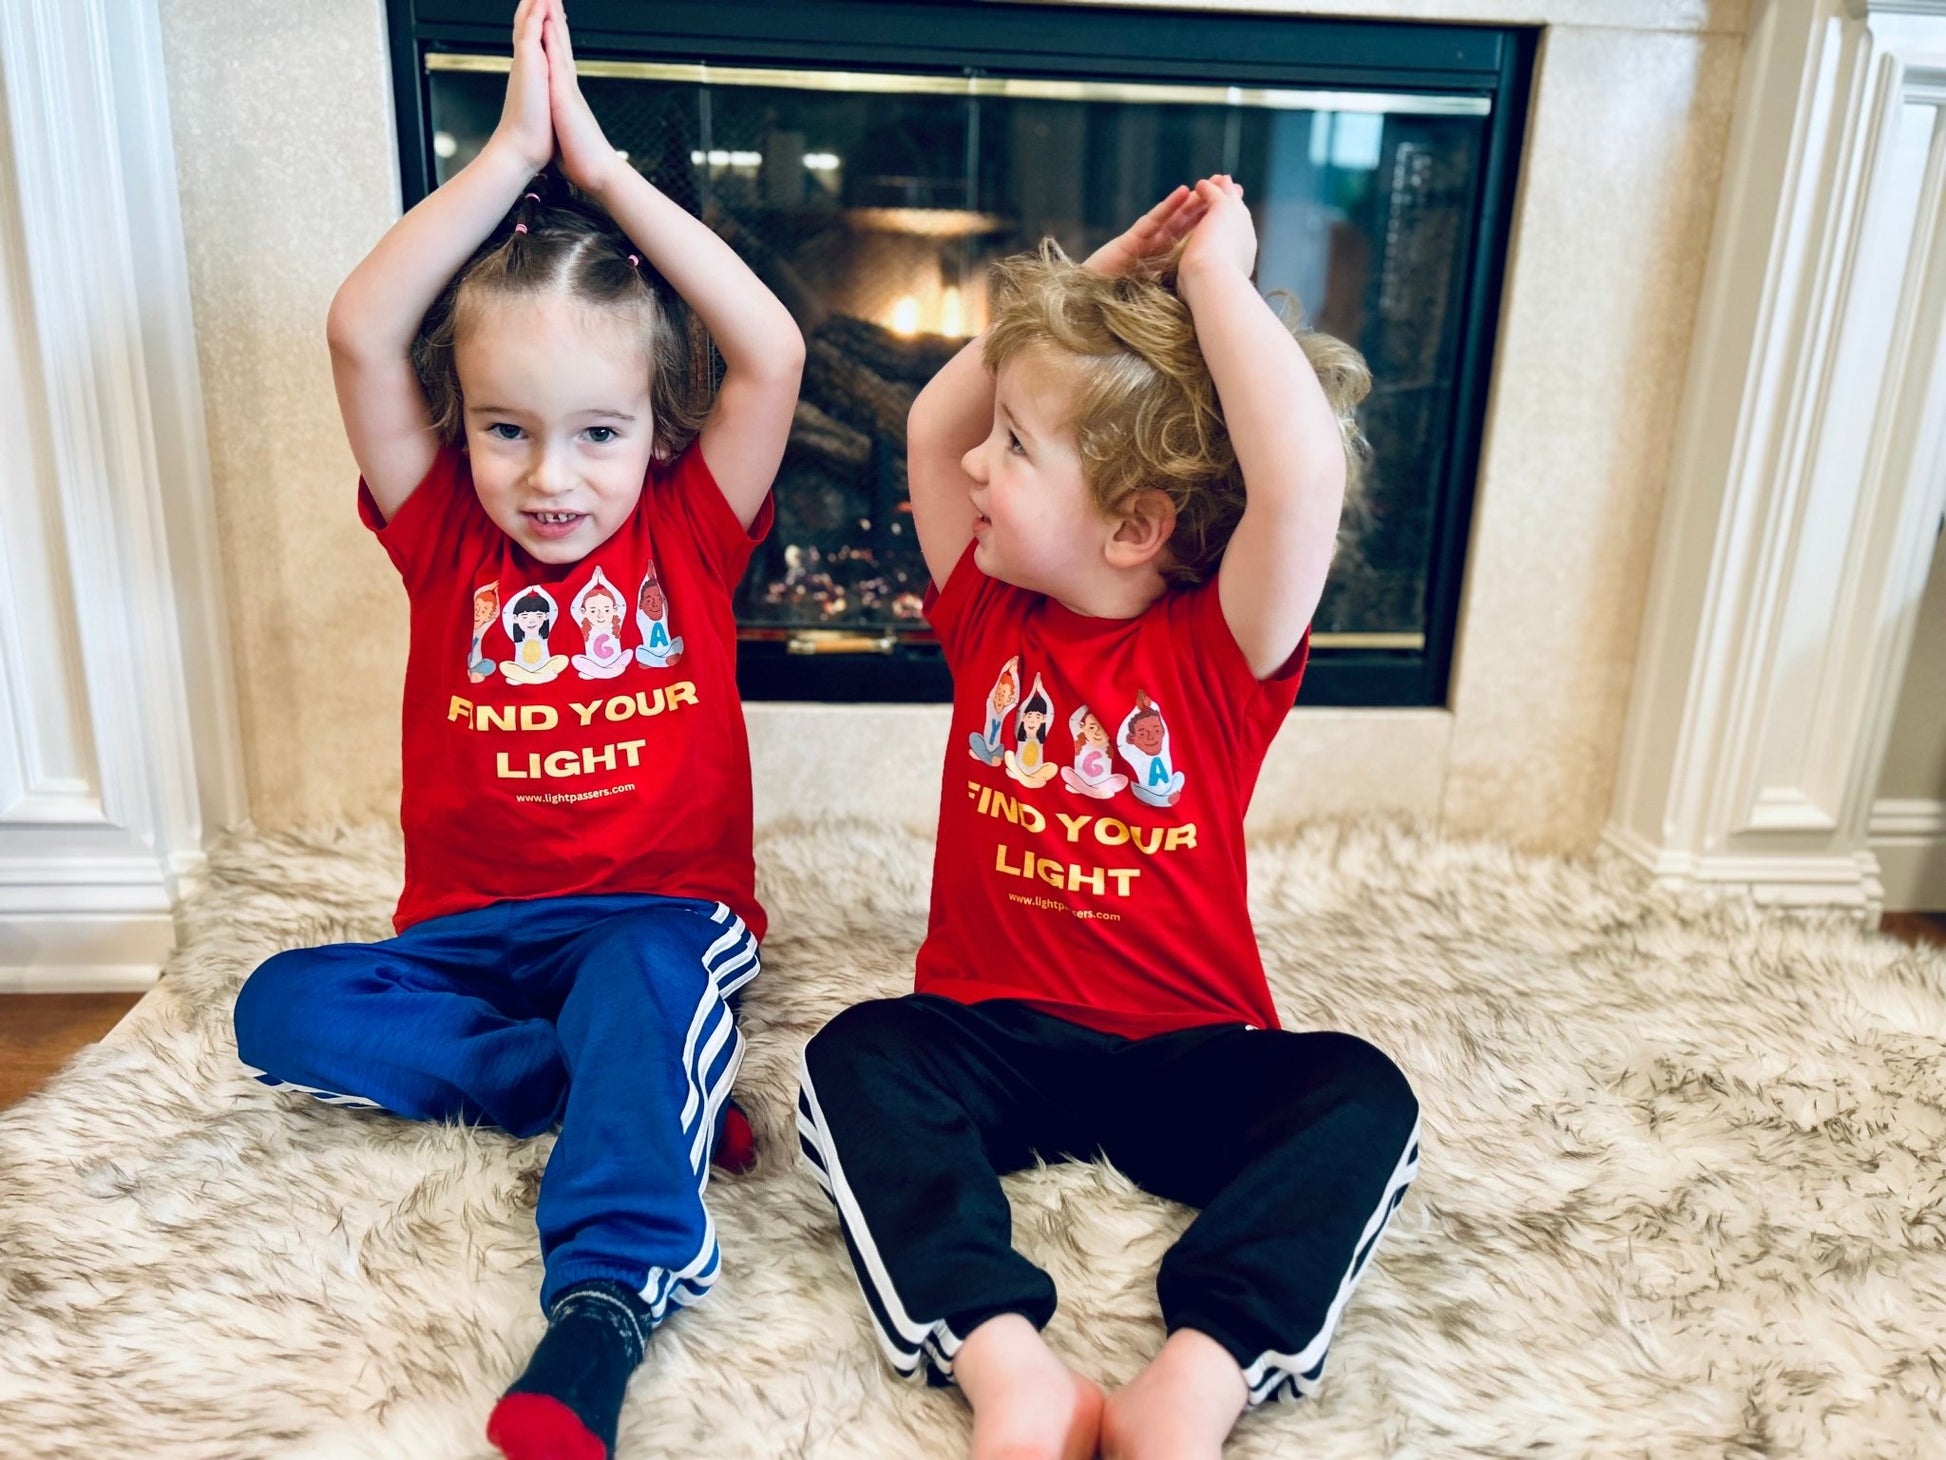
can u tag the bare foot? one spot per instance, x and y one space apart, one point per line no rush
1027 1404
1181 1407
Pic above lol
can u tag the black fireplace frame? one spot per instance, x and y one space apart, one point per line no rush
1096 42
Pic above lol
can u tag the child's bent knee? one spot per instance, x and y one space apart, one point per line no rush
1378 1083
862 1034
268 1015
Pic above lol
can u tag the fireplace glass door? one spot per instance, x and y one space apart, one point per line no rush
872 198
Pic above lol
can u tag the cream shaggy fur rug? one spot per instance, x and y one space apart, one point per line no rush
1682 1190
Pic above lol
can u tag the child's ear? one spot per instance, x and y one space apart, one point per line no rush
1143 525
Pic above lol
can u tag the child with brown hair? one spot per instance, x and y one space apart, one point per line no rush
524 375
1127 492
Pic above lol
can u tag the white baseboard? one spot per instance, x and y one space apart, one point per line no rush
1831 881
107 978
1909 838
84 953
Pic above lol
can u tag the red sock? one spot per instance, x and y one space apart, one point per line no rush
540 1427
736 1145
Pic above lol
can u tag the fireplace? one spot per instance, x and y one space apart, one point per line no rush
869 160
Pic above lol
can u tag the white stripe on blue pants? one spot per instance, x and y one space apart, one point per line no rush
610 1016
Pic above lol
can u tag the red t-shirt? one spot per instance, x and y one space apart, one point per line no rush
1090 856
572 727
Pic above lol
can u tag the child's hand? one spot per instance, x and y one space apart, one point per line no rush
525 129
1155 232
586 157
1224 236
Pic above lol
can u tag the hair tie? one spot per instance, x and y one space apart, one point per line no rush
634 262
520 228
535 196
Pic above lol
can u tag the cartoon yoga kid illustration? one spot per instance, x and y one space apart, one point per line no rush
1144 742
988 745
657 649
486 608
1027 762
1093 773
528 620
598 608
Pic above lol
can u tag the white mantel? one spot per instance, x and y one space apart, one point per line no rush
1809 469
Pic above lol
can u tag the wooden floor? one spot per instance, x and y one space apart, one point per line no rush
39 1031
1916 927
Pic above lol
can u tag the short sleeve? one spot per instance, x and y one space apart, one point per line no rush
970 596
687 494
1220 666
423 538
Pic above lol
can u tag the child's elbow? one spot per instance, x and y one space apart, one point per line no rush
919 421
349 332
341 331
790 351
779 364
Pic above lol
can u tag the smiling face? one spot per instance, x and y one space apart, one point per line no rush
1004 692
558 421
1092 732
1036 520
598 610
531 621
1146 732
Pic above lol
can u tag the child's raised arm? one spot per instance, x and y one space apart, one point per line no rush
377 310
951 416
1286 435
743 439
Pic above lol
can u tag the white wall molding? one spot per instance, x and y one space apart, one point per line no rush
1908 816
1806 468
1909 841
118 741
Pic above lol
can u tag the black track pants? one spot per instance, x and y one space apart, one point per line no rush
1296 1147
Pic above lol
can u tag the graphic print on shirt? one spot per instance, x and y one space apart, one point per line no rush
1089 863
486 608
597 608
657 650
1144 744
1093 772
528 620
1027 762
989 745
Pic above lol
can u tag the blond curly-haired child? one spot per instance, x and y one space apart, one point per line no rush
1127 492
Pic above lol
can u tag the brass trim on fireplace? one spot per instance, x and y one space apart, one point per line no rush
840 641
1416 642
847 641
1030 88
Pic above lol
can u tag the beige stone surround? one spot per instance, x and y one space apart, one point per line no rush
282 119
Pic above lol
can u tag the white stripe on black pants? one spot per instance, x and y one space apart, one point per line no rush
1297 1148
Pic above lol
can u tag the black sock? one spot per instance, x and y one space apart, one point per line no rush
596 1332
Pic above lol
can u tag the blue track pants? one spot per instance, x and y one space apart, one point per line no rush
611 1017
